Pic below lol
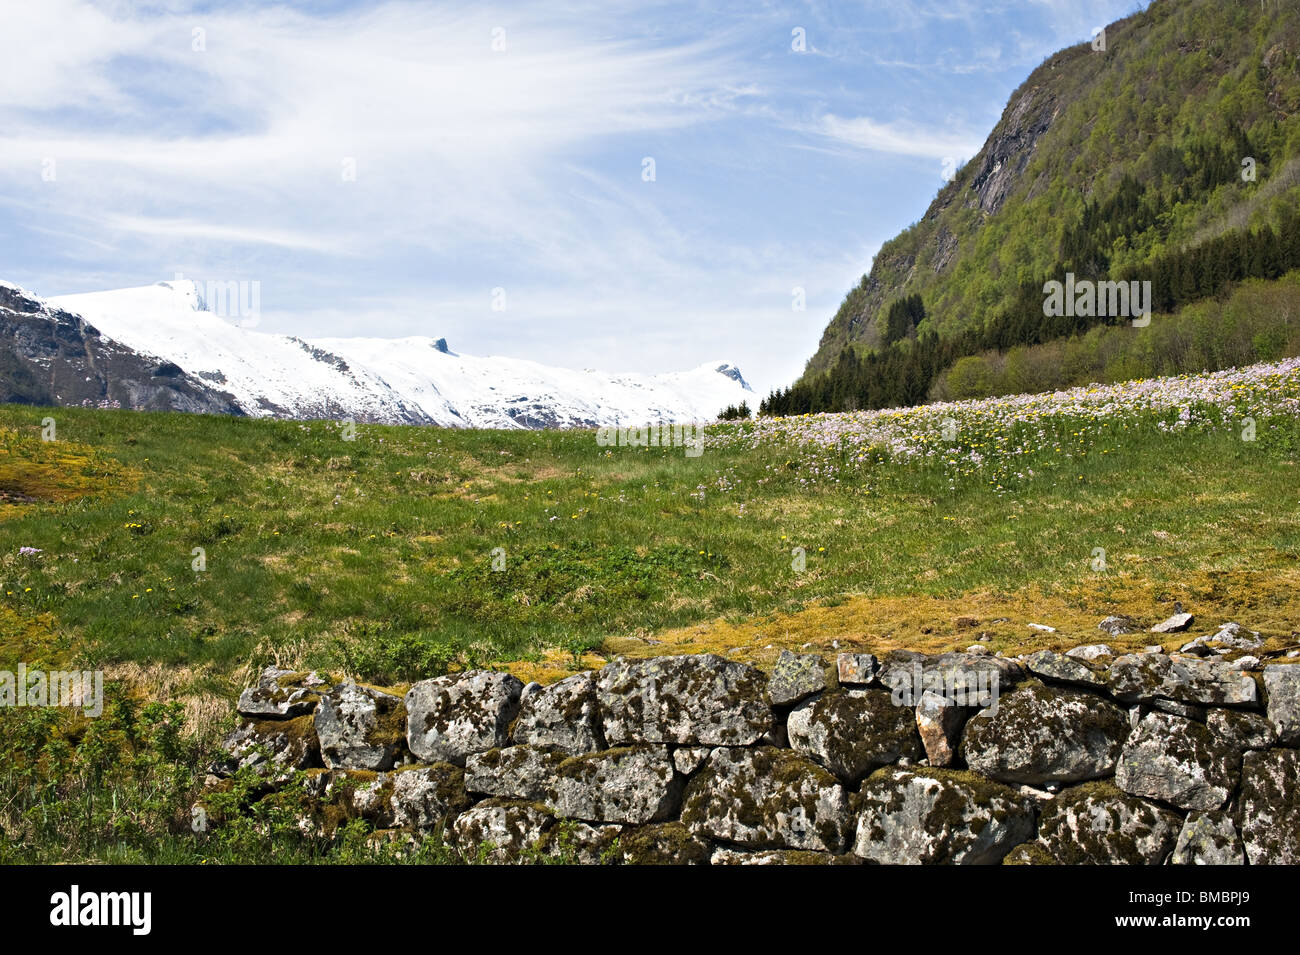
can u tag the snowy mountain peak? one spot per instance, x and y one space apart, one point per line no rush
729 370
208 333
184 293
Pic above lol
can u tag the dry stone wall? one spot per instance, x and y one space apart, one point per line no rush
961 758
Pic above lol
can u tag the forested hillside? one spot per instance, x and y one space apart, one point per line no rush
1172 156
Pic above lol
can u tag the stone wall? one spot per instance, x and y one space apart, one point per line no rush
1082 757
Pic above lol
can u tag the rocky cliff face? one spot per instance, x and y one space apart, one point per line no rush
964 758
1176 96
960 209
51 357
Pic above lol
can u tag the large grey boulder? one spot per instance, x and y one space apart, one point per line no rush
795 677
564 715
1063 668
1177 761
451 717
1142 677
281 694
423 797
935 816
500 831
275 747
688 700
1040 734
1240 729
1269 807
1282 685
851 732
1208 838
767 798
634 784
359 727
1097 824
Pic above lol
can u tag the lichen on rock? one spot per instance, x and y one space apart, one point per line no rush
1040 734
689 700
1097 824
451 717
766 797
938 816
852 731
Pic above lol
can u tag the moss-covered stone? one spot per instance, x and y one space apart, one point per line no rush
564 715
1208 838
668 843
851 732
939 816
688 700
766 797
1097 824
795 677
1268 814
1177 761
360 728
726 855
452 717
630 784
1143 677
500 830
1040 734
1029 853
275 747
282 694
423 797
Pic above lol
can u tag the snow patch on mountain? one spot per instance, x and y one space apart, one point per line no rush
414 380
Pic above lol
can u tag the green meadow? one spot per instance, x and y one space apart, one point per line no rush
182 554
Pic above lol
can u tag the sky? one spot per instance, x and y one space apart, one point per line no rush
634 186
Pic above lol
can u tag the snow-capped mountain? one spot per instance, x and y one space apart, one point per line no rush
51 357
405 380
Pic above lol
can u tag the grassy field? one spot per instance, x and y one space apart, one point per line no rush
376 556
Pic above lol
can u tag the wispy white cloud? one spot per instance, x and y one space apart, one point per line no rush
901 138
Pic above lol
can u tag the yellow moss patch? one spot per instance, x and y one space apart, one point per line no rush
33 471
28 640
553 666
1268 602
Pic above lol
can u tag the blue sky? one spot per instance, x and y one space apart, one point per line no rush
138 141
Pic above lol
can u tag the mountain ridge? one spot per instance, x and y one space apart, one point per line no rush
413 380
